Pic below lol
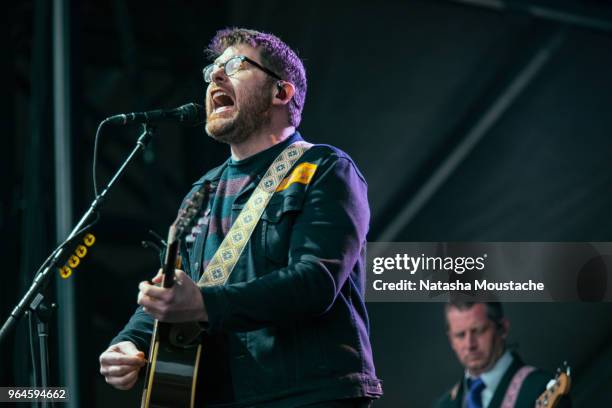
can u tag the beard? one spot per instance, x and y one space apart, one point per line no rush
253 115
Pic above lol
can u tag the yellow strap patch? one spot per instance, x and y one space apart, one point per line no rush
302 173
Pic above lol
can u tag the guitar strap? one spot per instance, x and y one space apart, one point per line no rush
224 260
515 386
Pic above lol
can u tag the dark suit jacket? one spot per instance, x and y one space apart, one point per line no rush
533 386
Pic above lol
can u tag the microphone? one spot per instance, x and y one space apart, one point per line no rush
188 114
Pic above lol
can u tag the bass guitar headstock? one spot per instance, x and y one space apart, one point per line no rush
556 388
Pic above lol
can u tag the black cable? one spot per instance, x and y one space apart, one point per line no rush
95 158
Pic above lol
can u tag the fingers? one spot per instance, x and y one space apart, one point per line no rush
123 353
117 370
114 358
124 382
157 304
127 347
120 365
170 304
152 291
156 299
158 277
180 275
157 292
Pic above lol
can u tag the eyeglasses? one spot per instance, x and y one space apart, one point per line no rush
233 65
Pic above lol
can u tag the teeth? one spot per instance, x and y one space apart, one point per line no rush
215 94
222 109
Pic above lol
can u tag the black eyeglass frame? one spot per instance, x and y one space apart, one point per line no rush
242 58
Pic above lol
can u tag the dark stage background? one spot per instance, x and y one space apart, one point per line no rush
471 120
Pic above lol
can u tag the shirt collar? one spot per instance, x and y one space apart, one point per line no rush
492 377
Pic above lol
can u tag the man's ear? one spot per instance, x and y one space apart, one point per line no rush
284 91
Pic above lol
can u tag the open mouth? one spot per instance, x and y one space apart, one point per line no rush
221 101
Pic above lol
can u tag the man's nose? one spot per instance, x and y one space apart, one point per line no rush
471 340
218 74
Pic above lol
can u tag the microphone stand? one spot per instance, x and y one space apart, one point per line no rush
33 297
42 312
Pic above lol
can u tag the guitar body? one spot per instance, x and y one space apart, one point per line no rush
172 372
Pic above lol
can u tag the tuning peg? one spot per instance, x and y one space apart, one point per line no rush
158 239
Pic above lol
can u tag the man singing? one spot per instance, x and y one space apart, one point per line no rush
287 326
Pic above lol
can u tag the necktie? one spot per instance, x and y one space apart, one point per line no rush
474 399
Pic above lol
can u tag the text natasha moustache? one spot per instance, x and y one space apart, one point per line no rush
457 285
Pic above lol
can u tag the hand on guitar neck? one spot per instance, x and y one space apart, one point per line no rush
180 303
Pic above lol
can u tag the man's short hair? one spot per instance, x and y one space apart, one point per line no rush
275 55
495 311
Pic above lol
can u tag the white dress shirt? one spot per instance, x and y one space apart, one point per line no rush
491 379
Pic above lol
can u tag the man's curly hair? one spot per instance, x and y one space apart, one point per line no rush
275 55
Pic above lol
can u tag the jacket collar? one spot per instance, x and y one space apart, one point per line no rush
212 176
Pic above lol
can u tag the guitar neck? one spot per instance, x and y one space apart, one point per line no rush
180 227
171 259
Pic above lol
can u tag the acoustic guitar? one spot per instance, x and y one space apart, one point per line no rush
175 350
556 388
